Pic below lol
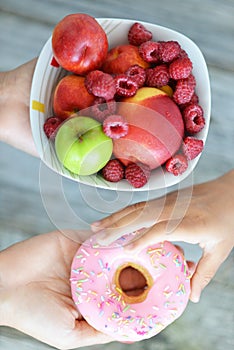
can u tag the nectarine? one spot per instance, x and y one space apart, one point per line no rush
79 43
156 128
121 57
70 96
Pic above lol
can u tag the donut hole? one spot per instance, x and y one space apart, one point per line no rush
133 282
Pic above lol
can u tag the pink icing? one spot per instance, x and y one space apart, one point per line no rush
102 303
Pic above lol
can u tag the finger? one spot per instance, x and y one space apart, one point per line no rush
207 268
144 215
171 230
116 217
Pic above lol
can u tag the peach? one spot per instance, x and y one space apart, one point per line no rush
79 43
121 57
71 96
156 128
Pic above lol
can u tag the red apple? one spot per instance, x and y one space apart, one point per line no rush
79 43
70 96
121 57
156 128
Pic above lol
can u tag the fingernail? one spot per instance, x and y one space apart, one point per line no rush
95 225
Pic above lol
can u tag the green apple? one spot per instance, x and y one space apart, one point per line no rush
82 146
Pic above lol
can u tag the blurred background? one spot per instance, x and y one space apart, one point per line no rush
25 25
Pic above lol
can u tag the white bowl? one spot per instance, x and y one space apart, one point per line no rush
47 75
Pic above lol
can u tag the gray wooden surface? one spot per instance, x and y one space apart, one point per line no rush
24 27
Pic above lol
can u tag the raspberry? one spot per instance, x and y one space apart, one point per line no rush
183 92
50 126
169 50
193 118
137 74
177 164
194 99
149 51
192 147
180 68
115 126
125 86
137 174
100 84
157 76
138 34
113 171
183 54
102 108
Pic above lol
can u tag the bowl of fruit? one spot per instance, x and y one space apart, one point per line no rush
120 104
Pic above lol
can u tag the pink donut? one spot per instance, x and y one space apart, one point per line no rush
98 294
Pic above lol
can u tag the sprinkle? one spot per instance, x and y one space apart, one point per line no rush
88 300
118 290
167 294
168 254
156 308
83 260
96 245
133 311
163 266
100 274
82 280
181 289
79 256
85 252
97 253
126 308
92 292
86 274
101 263
101 313
92 273
176 260
102 298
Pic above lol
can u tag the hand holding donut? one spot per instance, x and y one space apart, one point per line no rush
35 293
202 215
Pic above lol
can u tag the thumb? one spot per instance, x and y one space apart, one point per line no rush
207 268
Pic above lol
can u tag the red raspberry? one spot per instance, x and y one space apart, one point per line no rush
169 50
50 127
177 164
113 171
125 86
102 108
194 99
183 54
137 174
192 147
115 126
157 76
183 92
181 68
193 118
137 74
138 34
149 51
100 84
